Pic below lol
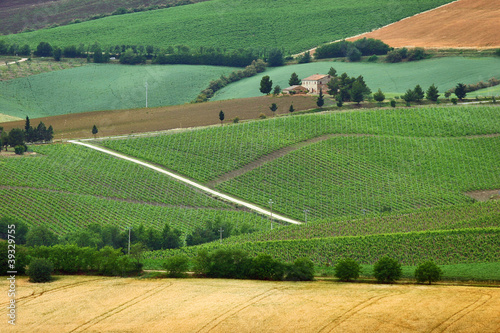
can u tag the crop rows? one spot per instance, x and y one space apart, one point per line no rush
79 170
65 212
444 247
346 176
226 24
208 153
478 215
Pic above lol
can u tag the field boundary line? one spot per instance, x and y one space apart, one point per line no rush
189 182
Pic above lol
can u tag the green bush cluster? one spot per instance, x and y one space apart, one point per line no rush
236 264
40 270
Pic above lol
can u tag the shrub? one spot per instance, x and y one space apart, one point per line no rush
497 52
262 116
19 149
393 56
387 270
373 58
236 120
302 269
393 103
177 266
40 270
428 272
346 269
230 264
454 101
264 267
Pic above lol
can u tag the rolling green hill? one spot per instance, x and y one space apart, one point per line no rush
228 24
364 162
104 87
393 79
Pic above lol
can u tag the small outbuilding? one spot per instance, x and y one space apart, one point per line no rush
295 90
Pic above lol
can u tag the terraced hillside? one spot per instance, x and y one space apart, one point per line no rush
67 187
229 24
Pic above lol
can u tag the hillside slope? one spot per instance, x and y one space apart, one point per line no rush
19 15
290 24
462 24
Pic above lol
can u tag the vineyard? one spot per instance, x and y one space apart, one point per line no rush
103 87
232 25
67 187
367 161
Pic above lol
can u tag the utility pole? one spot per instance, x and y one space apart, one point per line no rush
146 94
270 202
221 231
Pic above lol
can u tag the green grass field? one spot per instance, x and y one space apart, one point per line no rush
291 24
486 92
393 79
104 87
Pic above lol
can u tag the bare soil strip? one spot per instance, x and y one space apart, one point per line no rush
484 195
207 305
460 24
190 183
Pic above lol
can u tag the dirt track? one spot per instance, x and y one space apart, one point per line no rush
97 304
462 24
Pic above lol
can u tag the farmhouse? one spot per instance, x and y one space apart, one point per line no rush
316 82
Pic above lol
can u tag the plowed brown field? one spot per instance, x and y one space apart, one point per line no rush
461 24
123 122
98 304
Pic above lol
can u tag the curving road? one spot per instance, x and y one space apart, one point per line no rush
189 182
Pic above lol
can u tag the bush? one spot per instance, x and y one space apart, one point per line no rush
428 272
236 120
454 101
346 269
19 149
264 267
40 270
302 269
229 264
177 266
393 103
387 270
497 52
262 116
373 58
394 56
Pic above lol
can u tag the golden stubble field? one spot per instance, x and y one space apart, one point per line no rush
101 304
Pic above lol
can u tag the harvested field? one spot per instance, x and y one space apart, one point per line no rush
461 24
98 304
124 122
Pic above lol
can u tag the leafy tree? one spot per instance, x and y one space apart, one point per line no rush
415 54
95 130
273 107
49 135
276 90
16 137
43 49
418 93
461 91
275 58
57 53
387 270
339 101
428 271
177 266
25 50
171 237
21 260
304 59
291 109
353 54
332 72
379 96
221 117
27 124
346 269
20 229
4 138
40 270
264 267
302 269
370 46
393 103
432 93
41 235
266 85
97 56
321 100
294 80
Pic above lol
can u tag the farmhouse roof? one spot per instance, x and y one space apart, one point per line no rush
294 87
315 77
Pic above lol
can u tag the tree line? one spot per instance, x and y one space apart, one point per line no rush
17 137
